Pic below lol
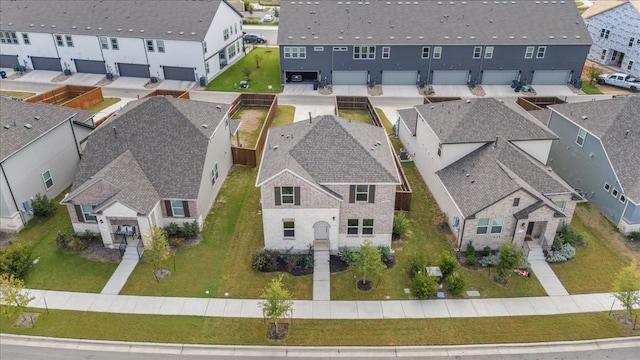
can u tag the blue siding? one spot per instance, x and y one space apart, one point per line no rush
632 214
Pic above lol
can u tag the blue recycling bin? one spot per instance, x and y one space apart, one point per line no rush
3 74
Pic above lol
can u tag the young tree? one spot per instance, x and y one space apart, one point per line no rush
159 251
258 59
277 301
368 261
246 71
626 286
509 257
12 296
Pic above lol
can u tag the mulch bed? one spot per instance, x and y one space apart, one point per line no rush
26 319
364 286
626 321
283 330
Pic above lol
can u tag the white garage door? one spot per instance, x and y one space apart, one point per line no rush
550 77
499 77
399 77
350 77
450 77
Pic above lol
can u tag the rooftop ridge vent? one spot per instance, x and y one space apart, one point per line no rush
28 126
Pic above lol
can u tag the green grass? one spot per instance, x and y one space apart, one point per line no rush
579 3
221 264
16 94
356 115
284 115
250 128
590 89
388 332
261 78
58 270
103 104
596 265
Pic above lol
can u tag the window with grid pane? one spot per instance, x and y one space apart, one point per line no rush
496 225
353 226
483 226
289 229
367 227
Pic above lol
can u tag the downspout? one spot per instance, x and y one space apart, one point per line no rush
12 196
515 228
75 139
462 233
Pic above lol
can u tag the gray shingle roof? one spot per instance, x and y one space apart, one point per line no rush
429 22
165 19
610 120
480 120
166 139
329 150
21 113
410 118
490 173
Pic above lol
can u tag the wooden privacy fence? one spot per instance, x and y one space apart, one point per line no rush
530 103
175 93
439 99
79 97
247 156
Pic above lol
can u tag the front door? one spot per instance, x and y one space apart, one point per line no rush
530 228
321 231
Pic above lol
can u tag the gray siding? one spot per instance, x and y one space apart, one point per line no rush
632 214
586 168
460 57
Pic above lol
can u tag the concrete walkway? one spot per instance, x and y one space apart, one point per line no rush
121 275
545 275
321 271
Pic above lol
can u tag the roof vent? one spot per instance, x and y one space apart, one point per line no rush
275 147
169 32
28 126
118 29
7 126
141 30
583 117
74 27
392 37
88 27
31 25
130 30
205 126
36 117
181 33
468 101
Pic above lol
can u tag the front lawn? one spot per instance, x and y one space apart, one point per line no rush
268 74
589 88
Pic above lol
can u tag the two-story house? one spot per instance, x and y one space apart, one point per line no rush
40 148
485 165
599 154
434 42
327 179
159 160
178 40
614 26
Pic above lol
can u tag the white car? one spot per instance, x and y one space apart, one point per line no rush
267 18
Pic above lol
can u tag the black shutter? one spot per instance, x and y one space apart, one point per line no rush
278 199
185 205
352 193
296 195
79 213
372 194
167 205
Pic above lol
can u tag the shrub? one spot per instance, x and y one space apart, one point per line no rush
470 248
569 235
423 285
62 240
634 236
400 223
385 253
416 264
176 241
43 206
346 255
447 263
76 243
191 230
91 236
566 252
171 229
486 251
455 282
265 260
307 260
291 262
15 259
489 261
471 260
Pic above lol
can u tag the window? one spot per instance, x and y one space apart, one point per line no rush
496 225
214 174
362 193
318 48
437 52
48 180
488 52
206 67
114 44
104 43
340 48
8 37
439 149
606 34
560 204
353 226
386 52
541 51
225 34
289 229
606 187
516 202
614 192
150 46
69 40
204 47
86 212
630 65
615 55
483 226
232 51
582 134
603 54
477 51
235 28
160 45
528 53
623 199
631 40
425 52
177 208
364 52
294 52
602 33
367 226
59 40
25 39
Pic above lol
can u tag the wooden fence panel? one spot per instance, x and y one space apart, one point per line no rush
527 105
248 156
86 100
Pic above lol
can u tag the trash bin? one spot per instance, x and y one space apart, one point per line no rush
203 81
109 76
315 85
514 83
154 79
3 74
67 72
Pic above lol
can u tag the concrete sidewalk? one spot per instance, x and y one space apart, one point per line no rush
545 275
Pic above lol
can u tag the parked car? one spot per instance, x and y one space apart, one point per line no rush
254 39
620 80
267 18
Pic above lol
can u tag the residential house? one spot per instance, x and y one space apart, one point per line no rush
433 42
40 148
344 195
614 26
485 165
178 40
160 160
599 153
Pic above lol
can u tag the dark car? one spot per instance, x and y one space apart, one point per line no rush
254 39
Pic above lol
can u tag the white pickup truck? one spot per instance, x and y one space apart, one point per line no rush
620 80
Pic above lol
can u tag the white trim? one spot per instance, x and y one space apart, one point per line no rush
46 187
477 52
526 52
606 187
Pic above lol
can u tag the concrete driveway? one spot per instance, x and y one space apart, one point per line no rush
299 89
452 90
39 76
124 82
176 85
350 90
399 91
83 79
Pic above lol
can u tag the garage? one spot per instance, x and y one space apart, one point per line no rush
134 70
399 77
450 77
300 76
499 77
90 66
46 63
550 77
7 61
179 73
350 77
